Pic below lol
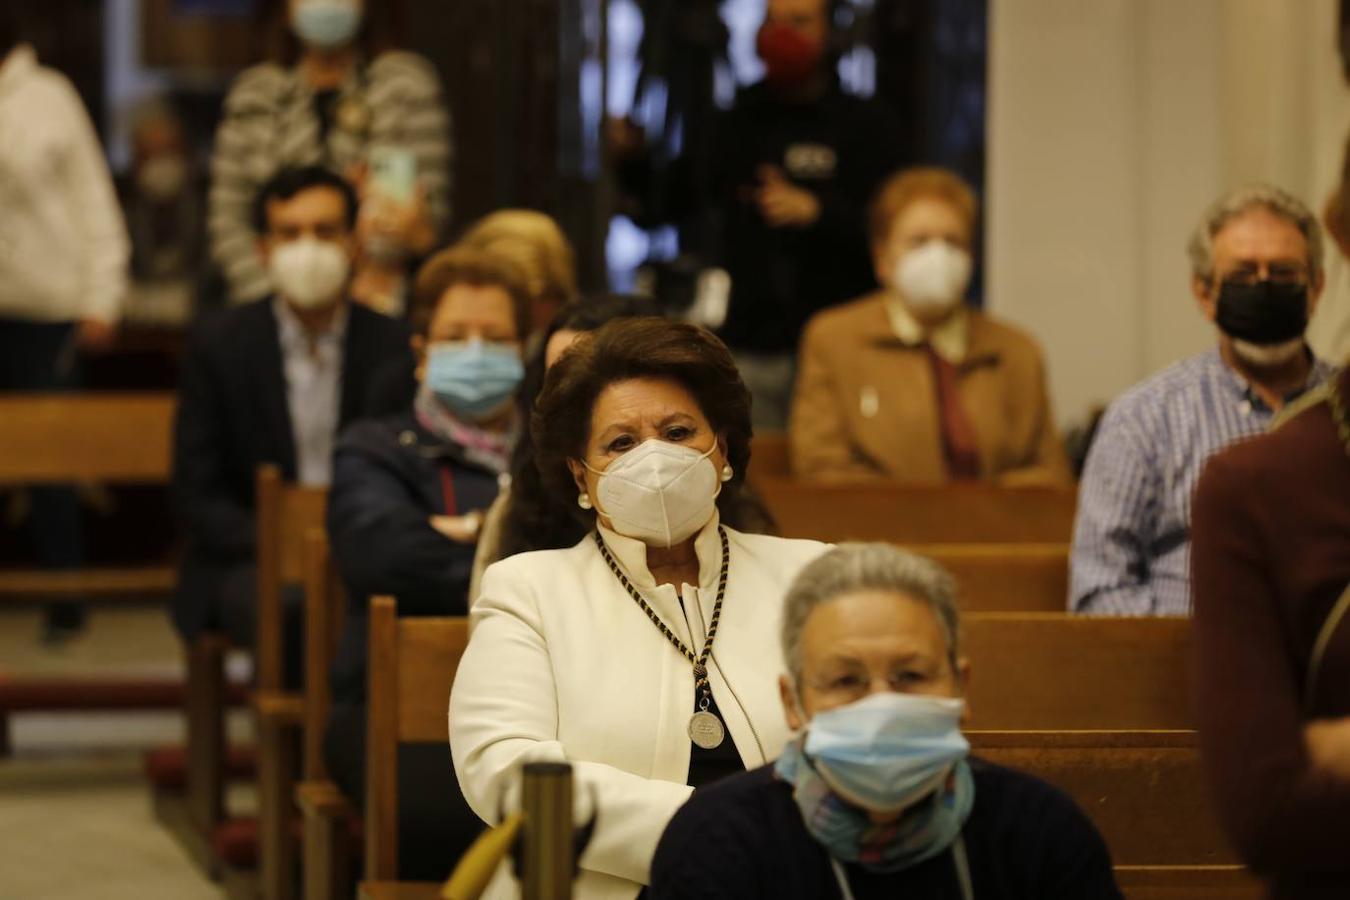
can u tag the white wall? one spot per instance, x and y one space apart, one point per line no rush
1112 123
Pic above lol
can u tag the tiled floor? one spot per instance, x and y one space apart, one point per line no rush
75 819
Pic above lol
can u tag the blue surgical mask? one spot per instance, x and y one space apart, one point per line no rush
326 23
473 380
848 833
888 750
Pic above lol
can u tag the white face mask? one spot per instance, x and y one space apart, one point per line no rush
933 276
309 272
658 493
1267 355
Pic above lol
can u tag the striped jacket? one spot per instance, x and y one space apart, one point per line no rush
269 121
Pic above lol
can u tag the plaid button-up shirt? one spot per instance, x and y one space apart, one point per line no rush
1131 542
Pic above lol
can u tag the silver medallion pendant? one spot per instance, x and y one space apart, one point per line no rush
706 730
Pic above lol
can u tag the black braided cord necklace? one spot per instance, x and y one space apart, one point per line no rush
705 729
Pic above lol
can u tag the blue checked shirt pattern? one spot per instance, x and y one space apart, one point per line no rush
1131 542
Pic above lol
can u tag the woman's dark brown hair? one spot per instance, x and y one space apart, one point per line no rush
647 347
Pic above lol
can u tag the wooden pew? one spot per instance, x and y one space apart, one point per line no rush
1189 883
902 514
1004 577
1146 793
770 457
251 856
64 438
1145 790
412 664
287 516
328 815
1058 672
1108 701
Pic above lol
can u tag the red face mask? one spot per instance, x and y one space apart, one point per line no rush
790 59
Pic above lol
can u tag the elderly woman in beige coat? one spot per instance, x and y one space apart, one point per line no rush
908 384
644 655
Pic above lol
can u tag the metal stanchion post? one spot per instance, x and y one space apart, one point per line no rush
546 862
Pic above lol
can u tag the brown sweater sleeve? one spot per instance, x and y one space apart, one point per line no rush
1280 812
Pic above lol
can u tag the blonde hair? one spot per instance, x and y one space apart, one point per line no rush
535 244
904 187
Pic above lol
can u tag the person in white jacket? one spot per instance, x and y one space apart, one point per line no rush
645 655
64 256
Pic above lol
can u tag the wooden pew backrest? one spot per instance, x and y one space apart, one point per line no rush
1144 790
899 514
286 513
412 666
770 457
324 613
1004 577
60 438
1057 672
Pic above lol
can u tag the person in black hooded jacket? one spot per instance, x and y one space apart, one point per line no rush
408 496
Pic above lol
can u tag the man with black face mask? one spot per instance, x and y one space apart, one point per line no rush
1256 271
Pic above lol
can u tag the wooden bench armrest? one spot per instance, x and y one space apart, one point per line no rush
279 707
322 798
99 581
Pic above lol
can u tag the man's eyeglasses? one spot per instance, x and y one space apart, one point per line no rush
1279 273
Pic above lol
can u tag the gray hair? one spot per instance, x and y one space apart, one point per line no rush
1200 248
849 568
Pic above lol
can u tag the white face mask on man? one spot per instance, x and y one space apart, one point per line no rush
658 493
308 272
933 276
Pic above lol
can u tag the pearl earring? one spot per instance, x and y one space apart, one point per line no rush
728 472
584 500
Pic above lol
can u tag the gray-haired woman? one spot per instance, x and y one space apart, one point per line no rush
877 796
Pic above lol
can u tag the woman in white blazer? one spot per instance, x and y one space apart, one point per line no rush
645 655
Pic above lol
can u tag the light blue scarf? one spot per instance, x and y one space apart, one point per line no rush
921 832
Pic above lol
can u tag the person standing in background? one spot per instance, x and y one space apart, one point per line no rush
376 117
63 264
164 200
797 161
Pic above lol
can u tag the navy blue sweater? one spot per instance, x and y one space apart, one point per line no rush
743 838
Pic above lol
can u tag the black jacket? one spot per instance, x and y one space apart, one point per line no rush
232 417
838 147
388 480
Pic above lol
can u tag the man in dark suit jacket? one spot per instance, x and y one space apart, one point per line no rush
271 382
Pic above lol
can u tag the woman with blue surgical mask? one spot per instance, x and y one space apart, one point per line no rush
408 497
334 93
877 796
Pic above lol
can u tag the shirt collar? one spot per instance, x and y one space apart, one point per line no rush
294 336
950 337
1240 389
631 555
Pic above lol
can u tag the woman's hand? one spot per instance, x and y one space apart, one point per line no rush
460 529
1328 742
406 224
